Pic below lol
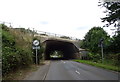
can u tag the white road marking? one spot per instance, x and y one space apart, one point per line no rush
63 61
77 72
44 76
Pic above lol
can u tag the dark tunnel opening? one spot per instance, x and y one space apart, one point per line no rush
68 49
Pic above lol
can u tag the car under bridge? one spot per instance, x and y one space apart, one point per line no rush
68 49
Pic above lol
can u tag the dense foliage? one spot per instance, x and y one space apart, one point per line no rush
12 56
115 44
111 46
92 39
112 12
112 18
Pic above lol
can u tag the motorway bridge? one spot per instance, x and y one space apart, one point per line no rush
68 47
67 69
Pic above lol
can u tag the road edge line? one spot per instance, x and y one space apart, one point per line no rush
46 73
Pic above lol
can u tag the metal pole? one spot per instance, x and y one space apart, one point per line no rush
33 32
102 51
36 56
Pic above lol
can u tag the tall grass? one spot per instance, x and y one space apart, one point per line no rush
101 65
16 49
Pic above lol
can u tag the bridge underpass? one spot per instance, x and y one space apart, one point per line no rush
69 50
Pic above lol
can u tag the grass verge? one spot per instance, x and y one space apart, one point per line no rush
20 73
105 66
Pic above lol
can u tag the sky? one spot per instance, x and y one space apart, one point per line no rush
72 18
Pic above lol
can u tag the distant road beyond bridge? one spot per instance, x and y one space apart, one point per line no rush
53 42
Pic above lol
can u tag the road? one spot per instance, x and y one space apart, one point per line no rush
70 70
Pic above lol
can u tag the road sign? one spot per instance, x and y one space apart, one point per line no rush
36 42
34 47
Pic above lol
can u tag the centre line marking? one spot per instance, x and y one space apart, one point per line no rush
77 72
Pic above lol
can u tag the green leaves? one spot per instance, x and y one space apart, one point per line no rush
112 13
14 57
91 42
92 39
115 44
7 39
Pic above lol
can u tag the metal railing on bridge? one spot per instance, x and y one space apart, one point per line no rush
56 35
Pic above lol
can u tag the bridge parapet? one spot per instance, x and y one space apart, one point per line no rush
52 36
44 38
42 33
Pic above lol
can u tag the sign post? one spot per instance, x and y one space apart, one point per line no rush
36 47
101 44
36 56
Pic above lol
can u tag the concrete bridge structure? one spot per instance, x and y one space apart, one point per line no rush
53 42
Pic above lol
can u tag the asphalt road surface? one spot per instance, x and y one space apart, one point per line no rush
70 70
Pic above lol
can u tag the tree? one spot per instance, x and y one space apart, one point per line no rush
92 39
115 44
112 12
113 18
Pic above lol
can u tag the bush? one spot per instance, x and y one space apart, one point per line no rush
14 60
9 60
25 57
94 56
116 59
12 56
7 39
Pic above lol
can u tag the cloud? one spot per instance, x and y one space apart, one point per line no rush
44 22
65 17
83 27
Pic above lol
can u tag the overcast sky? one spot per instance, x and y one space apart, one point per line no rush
67 17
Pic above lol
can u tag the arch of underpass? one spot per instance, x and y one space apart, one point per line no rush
69 50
